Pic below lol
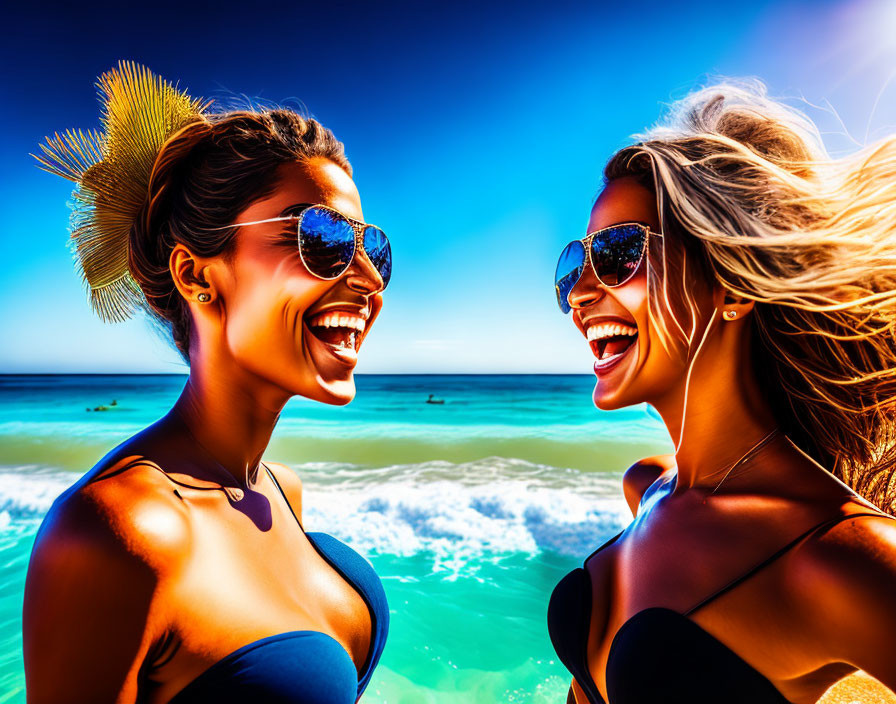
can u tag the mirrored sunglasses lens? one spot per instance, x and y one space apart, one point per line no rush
376 244
616 253
569 271
327 242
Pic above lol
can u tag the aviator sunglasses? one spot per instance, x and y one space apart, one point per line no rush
328 241
615 253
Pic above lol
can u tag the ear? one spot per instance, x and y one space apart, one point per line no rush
191 273
733 307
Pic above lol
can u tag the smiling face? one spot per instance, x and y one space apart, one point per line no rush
282 323
631 363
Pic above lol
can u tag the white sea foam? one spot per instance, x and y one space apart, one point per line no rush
455 512
28 491
458 511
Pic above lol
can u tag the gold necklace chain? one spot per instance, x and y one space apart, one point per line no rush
234 493
754 449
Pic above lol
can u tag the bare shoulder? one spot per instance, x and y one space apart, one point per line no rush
92 608
123 510
845 577
291 484
854 554
638 478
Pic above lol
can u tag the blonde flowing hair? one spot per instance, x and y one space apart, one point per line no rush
749 198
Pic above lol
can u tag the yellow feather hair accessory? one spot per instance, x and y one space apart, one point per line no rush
140 111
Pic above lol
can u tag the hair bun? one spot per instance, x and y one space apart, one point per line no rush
112 168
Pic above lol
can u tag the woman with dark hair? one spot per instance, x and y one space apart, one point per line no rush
743 283
177 569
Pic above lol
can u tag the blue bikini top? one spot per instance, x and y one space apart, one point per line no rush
661 655
300 667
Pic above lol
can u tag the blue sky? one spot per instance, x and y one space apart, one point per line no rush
477 131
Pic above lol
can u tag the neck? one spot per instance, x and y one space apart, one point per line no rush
231 414
726 412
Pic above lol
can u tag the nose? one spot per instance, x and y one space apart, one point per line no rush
362 276
586 291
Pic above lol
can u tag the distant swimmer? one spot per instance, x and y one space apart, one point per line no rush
432 399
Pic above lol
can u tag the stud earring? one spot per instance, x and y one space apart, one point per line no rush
203 297
729 314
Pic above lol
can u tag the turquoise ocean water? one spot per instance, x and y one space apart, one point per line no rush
470 511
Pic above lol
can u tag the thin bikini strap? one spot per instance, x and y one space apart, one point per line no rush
605 545
774 556
283 494
616 537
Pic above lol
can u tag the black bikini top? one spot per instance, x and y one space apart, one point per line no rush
661 655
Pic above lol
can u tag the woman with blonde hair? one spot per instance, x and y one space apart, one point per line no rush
743 283
177 569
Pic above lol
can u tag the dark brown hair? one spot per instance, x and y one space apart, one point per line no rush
205 175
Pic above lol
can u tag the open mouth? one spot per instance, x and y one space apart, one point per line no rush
610 341
340 330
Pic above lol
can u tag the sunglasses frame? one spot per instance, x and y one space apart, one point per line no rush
586 243
357 226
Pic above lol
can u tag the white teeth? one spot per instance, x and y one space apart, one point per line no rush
346 352
346 347
347 343
340 320
602 330
607 357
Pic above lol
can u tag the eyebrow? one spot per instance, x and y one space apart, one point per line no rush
294 209
625 222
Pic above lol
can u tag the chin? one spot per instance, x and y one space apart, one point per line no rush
611 400
316 387
337 392
606 403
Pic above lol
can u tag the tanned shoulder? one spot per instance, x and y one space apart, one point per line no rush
844 580
128 509
641 475
89 615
